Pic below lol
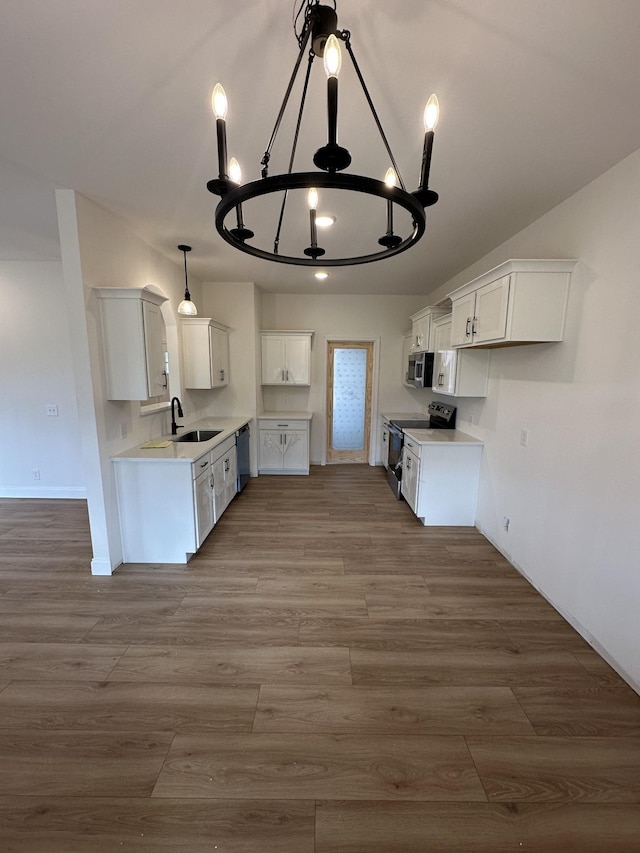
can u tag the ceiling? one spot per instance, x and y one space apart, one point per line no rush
112 99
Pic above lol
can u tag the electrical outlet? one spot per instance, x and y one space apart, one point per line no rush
123 430
505 523
524 437
285 400
36 473
52 411
470 418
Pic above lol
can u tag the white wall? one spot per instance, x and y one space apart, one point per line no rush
35 371
361 317
572 494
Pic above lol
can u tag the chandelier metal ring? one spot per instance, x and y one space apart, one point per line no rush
302 180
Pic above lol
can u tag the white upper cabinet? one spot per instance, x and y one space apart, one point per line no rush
133 335
205 352
458 372
286 358
422 328
518 302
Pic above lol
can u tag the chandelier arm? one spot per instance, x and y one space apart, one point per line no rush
267 154
276 240
346 35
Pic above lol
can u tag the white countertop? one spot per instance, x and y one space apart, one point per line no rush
184 451
441 436
285 416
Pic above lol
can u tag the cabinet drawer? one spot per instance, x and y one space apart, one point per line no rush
265 423
222 449
201 464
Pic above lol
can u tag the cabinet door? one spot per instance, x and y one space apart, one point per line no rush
230 476
296 450
462 314
219 347
203 498
271 449
444 371
154 353
297 363
421 329
492 302
219 488
273 359
409 483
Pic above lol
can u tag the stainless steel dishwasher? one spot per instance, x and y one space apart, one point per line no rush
242 450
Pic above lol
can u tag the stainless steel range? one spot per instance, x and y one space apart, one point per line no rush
439 416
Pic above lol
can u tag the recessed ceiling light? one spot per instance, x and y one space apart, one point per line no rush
325 221
321 275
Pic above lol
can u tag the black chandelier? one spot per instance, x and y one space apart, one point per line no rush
320 26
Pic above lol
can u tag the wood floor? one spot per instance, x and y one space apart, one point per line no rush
325 676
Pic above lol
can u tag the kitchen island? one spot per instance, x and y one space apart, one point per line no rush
171 493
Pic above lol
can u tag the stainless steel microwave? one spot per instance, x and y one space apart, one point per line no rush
420 369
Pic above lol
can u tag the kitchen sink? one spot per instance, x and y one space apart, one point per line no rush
199 435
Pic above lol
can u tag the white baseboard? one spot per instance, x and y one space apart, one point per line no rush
571 619
101 567
69 492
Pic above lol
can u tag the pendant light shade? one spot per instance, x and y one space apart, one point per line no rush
187 308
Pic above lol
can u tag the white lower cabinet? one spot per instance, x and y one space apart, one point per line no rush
410 473
440 482
168 507
283 446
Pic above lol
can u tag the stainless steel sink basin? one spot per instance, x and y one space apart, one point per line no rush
198 435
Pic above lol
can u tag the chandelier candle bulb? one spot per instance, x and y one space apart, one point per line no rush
312 199
219 107
389 240
240 231
431 114
332 64
314 251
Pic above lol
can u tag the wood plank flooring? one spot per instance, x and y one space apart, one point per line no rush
325 676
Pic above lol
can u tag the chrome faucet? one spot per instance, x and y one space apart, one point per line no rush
174 426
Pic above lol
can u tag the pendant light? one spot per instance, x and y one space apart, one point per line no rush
187 308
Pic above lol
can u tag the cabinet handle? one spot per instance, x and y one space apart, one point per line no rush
408 463
285 438
441 379
283 426
222 375
282 375
287 373
467 329
204 464
226 465
474 328
280 438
